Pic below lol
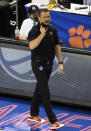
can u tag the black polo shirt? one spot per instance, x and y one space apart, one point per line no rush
46 48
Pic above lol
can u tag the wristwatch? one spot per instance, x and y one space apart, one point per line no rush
61 62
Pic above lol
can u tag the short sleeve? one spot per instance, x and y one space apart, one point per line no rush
26 27
56 37
32 34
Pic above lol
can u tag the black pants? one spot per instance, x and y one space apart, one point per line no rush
42 71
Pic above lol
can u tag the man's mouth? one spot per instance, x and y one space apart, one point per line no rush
46 23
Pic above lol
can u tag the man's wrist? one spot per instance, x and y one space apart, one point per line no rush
42 34
60 62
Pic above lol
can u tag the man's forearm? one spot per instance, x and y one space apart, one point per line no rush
34 43
58 53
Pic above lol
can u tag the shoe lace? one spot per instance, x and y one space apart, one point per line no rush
38 118
55 124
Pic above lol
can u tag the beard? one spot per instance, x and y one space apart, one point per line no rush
35 19
44 25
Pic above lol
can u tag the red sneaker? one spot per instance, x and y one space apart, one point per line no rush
56 125
36 119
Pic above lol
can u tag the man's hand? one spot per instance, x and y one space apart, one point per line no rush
60 68
34 43
43 30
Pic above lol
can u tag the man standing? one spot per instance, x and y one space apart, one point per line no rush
44 45
29 23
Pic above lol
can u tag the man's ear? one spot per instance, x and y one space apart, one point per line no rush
29 14
38 18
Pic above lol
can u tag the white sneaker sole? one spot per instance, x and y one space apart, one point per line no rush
61 125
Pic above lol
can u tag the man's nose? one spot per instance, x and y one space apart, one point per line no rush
46 18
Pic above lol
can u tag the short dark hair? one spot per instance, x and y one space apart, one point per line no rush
42 10
32 9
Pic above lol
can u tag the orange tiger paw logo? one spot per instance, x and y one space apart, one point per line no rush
81 40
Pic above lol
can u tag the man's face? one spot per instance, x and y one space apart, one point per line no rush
35 13
44 18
